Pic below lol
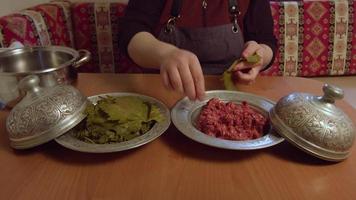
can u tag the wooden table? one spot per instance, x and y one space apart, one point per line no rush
173 166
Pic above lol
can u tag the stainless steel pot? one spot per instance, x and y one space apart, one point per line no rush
53 64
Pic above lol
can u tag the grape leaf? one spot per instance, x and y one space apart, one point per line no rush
227 75
117 119
253 59
125 109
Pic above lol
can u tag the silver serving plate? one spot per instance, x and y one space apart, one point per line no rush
69 141
185 113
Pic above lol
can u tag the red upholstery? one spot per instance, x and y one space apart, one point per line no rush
315 38
42 25
55 20
96 28
16 27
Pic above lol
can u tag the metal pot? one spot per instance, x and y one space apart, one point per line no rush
53 64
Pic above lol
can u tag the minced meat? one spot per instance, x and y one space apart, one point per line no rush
231 121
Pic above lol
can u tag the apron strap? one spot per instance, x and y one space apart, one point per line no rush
234 15
233 6
175 14
176 8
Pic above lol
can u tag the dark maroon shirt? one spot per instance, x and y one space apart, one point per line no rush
150 16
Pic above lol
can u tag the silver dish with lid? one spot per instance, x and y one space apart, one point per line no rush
314 124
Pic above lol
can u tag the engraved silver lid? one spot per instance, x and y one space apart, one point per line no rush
44 113
315 124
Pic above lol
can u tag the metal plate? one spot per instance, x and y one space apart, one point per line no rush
69 141
185 113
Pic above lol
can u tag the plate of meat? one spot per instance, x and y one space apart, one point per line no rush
228 120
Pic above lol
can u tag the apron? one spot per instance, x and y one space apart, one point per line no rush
216 47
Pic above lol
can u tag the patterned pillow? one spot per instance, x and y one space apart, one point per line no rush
43 25
315 38
57 23
17 27
96 28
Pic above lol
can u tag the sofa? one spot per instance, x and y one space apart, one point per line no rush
315 38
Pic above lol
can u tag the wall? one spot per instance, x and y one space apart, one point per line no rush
8 6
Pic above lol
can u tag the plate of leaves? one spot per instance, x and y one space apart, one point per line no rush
117 122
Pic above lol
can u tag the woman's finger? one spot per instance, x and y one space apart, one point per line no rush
198 77
175 79
242 66
244 78
250 49
187 81
247 78
165 79
260 52
254 73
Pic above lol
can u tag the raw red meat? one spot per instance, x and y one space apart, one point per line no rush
231 121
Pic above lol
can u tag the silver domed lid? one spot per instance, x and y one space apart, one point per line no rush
315 124
44 113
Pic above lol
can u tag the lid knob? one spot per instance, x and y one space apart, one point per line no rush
332 93
30 84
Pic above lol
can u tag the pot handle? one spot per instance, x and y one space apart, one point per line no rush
84 57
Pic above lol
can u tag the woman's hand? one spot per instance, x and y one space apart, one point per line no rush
181 71
246 73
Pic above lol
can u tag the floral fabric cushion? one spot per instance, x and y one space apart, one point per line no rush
18 27
96 29
315 38
55 19
42 25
